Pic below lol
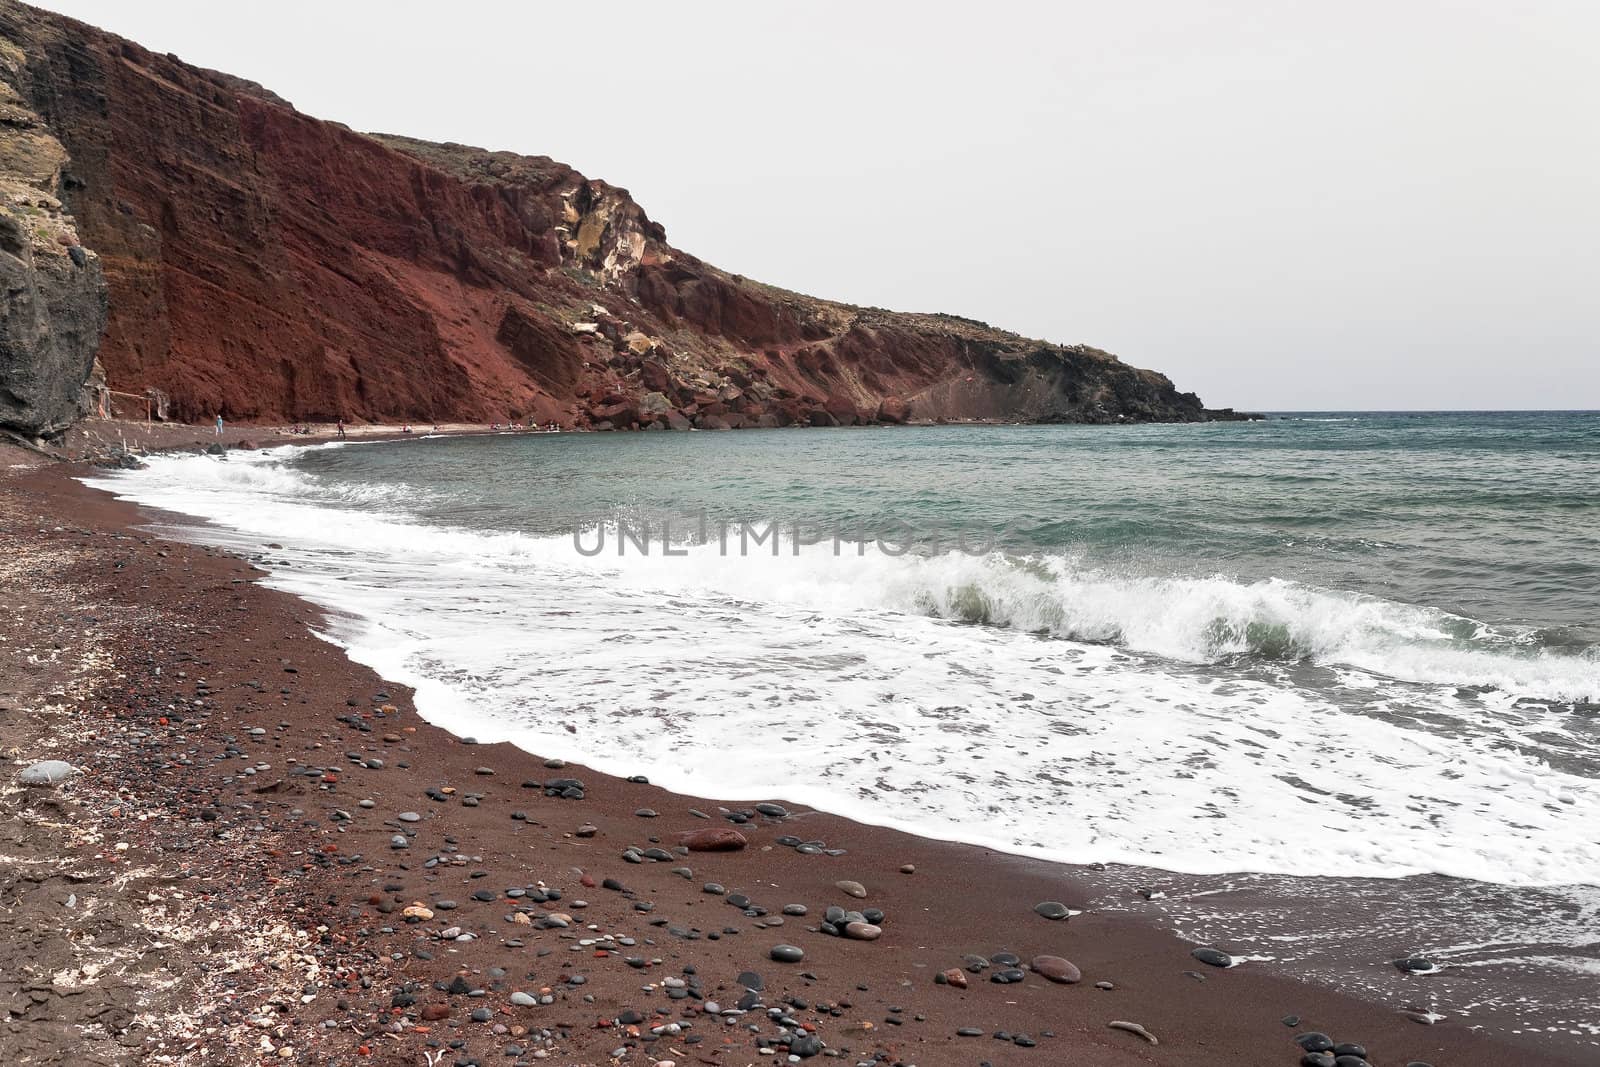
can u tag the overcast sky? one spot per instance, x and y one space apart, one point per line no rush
1280 204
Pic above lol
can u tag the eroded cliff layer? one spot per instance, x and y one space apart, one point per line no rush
270 265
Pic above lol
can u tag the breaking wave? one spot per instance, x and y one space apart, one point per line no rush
1198 620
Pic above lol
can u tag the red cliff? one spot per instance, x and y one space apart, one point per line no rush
274 266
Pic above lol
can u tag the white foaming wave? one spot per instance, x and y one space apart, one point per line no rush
242 479
775 683
1195 620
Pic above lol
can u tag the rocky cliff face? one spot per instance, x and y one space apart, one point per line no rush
273 266
52 292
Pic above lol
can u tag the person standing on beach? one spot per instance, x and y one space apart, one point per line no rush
341 429
219 424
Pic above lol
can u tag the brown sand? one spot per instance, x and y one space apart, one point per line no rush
219 917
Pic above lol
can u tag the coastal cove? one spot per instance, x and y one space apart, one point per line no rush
446 622
1518 956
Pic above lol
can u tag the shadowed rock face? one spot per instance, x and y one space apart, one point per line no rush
52 293
269 265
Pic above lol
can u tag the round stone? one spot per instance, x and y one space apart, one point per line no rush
409 816
861 931
1417 965
787 954
1057 969
851 889
1053 910
1314 1042
1212 956
713 839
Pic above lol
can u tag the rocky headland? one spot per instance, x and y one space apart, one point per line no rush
276 267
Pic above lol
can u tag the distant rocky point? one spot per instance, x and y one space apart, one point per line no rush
247 258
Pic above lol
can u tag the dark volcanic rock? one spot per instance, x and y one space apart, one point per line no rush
52 291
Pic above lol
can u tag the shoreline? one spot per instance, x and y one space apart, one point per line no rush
97 440
961 899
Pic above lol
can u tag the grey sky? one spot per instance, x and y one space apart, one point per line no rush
1280 204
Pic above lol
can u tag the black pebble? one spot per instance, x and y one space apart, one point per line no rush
1314 1042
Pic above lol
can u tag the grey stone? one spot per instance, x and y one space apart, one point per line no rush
47 772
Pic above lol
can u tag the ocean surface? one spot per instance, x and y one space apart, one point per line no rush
1365 644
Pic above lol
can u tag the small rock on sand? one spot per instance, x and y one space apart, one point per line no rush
713 839
1212 956
851 889
47 772
1057 969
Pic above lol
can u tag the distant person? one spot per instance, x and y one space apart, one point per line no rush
219 424
341 429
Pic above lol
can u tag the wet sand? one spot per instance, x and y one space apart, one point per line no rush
234 755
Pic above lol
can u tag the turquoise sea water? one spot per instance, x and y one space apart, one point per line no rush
1494 517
